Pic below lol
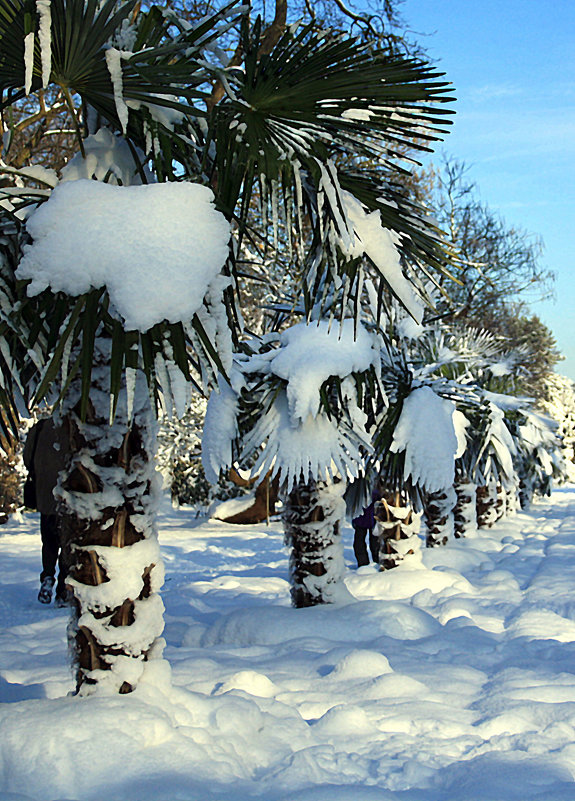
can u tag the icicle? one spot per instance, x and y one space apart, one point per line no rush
320 201
28 61
130 391
114 63
288 202
165 384
299 208
264 201
45 37
275 213
149 138
66 359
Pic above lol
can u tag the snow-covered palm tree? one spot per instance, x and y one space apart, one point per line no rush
202 167
418 436
294 404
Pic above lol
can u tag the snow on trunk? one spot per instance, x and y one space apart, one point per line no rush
396 528
512 502
501 502
465 511
526 492
108 500
439 517
313 512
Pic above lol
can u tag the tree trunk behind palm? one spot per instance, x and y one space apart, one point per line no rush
312 516
108 505
264 501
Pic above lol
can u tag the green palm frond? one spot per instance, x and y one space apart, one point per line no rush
315 118
315 92
165 69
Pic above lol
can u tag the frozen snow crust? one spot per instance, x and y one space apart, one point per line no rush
155 247
451 678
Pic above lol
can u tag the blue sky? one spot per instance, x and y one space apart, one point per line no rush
513 66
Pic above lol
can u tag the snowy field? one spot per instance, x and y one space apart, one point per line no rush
452 678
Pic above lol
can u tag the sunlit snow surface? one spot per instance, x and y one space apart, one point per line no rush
452 678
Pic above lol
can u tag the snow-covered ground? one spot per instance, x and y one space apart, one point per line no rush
452 678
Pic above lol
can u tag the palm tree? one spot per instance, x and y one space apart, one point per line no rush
419 436
293 414
275 137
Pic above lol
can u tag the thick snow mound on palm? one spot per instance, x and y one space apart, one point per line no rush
427 432
311 353
155 247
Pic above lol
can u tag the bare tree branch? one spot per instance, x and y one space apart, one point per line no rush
269 40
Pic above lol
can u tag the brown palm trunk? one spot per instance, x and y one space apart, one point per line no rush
108 506
465 512
394 523
312 516
487 505
439 519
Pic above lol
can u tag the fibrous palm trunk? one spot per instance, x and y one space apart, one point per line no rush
526 492
512 500
439 519
395 527
488 504
465 512
313 511
108 504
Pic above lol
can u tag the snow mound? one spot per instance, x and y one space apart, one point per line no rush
543 624
251 682
345 720
155 247
357 622
361 664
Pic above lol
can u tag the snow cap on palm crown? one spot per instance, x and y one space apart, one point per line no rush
312 353
431 431
297 436
155 247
